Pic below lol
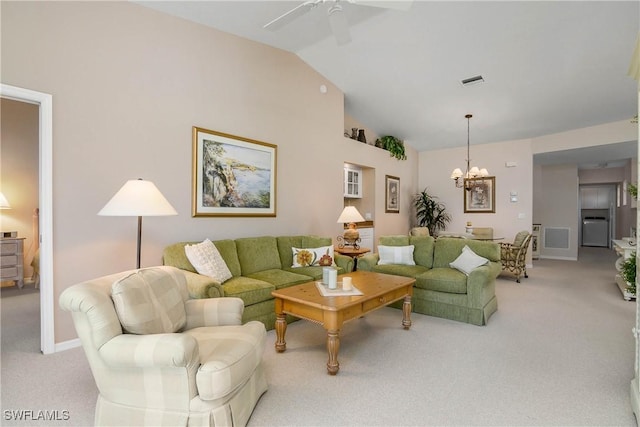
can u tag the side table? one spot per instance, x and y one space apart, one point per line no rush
353 253
12 268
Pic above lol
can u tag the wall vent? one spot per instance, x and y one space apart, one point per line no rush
556 238
472 81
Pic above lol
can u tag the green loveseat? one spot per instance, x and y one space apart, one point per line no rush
259 265
440 290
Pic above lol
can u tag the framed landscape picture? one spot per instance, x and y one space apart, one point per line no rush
481 197
392 194
232 175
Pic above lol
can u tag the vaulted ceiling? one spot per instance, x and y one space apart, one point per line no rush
548 66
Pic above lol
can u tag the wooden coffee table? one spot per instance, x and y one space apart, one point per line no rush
306 302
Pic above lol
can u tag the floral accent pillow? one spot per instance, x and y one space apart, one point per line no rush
316 257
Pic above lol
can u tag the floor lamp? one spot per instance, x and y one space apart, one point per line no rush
138 197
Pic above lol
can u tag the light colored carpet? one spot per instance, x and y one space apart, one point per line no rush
559 351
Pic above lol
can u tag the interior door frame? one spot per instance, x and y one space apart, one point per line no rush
45 137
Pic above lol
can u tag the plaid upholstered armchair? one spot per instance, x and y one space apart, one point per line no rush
159 358
513 255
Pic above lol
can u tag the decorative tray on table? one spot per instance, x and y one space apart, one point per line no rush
326 292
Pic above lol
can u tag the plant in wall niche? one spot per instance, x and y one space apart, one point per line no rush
393 145
430 212
633 190
628 273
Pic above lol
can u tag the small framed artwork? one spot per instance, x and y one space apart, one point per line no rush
232 175
392 194
480 195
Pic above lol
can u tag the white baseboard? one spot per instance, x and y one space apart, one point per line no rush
67 345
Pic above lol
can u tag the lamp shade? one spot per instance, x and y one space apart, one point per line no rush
4 203
457 173
350 214
138 197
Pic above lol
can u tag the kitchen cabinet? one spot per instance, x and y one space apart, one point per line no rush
595 197
352 182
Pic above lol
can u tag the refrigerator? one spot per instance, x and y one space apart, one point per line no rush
595 231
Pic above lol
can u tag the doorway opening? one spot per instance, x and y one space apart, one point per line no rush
45 195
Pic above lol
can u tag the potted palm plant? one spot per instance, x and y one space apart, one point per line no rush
430 212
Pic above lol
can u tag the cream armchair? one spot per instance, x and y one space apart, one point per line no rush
159 358
513 255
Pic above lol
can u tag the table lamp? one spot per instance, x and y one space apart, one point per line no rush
138 197
351 236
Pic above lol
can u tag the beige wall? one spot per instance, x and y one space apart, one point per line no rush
19 173
559 208
510 217
534 199
128 84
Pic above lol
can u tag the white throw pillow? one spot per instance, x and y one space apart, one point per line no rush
468 261
206 259
307 257
396 255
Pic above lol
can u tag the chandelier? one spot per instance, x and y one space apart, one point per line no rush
463 180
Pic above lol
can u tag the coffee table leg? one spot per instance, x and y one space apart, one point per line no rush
333 345
406 312
281 328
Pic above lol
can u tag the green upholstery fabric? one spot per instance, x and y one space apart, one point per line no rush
447 249
394 240
443 280
423 251
258 265
285 243
229 254
280 278
398 270
257 254
250 290
440 290
174 256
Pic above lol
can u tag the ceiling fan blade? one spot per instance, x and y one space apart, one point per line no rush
339 25
291 15
385 4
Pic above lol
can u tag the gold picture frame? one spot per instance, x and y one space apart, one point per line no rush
232 175
480 195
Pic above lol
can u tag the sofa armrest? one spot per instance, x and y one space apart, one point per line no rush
150 351
367 261
201 286
481 284
214 312
343 261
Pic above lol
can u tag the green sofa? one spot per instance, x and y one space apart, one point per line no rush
259 265
440 290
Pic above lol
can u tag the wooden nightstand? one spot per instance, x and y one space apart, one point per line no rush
11 260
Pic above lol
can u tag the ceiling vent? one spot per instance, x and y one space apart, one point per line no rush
472 81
